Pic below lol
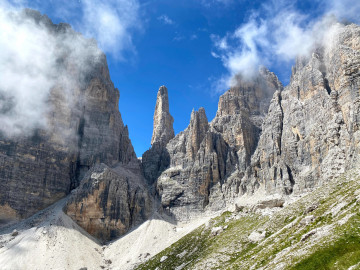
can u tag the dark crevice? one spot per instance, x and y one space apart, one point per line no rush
289 190
281 124
76 166
327 87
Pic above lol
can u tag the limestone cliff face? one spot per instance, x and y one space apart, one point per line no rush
109 201
157 159
205 155
84 128
279 140
311 133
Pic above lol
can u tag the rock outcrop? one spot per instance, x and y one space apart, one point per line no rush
311 133
279 140
109 201
84 128
205 155
157 159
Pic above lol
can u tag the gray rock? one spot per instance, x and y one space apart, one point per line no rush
216 230
311 132
84 128
205 155
157 159
163 121
272 203
109 201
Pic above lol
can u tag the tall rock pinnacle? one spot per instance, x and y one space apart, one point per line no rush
163 121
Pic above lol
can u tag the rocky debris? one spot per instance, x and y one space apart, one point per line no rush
311 208
143 257
84 128
14 233
182 254
308 235
272 203
157 159
109 201
256 236
216 230
163 258
307 220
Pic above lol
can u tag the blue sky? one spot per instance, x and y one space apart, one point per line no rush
193 47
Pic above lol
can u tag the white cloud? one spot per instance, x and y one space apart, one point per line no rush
165 19
211 3
25 66
109 22
280 36
35 62
215 55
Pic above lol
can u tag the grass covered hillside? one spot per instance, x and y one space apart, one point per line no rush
321 230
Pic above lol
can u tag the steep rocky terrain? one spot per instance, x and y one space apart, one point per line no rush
264 136
311 133
317 231
282 160
157 158
204 155
84 128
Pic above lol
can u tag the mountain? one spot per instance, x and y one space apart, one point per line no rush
40 169
270 182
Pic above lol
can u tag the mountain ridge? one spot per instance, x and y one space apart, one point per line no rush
267 144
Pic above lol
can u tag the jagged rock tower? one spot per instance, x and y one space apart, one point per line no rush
157 159
163 121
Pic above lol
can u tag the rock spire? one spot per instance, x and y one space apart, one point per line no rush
163 121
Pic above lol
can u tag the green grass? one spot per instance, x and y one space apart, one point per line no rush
342 254
284 241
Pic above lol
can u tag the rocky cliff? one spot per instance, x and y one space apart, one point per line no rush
311 133
268 138
84 128
204 155
109 201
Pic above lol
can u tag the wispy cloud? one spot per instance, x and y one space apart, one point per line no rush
211 3
165 19
277 33
35 62
111 23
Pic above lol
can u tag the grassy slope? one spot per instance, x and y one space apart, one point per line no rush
330 241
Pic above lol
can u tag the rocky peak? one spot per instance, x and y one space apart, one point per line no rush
84 128
163 121
198 127
249 96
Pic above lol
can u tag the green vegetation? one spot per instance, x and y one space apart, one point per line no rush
342 254
318 231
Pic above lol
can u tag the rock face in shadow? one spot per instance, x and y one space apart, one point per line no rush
311 133
109 201
84 128
205 155
157 159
